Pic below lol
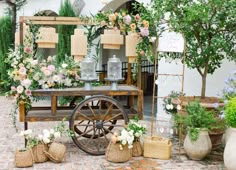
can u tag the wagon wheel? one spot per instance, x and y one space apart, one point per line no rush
95 124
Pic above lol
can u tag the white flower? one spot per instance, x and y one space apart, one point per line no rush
40 137
22 133
178 107
34 62
47 72
46 133
52 131
36 77
26 83
167 16
64 65
57 135
45 86
20 89
124 142
28 132
171 106
56 78
168 107
46 140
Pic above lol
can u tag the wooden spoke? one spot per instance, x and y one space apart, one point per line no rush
107 130
86 126
85 133
114 125
103 132
85 116
113 117
90 108
108 111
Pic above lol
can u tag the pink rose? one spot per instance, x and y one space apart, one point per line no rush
51 68
127 19
144 31
27 50
28 92
137 17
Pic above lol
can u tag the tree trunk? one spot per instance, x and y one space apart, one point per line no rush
203 91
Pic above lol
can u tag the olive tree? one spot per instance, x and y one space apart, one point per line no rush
209 29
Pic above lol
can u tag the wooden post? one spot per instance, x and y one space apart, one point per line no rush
54 105
22 111
21 30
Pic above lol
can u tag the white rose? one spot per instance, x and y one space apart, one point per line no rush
57 135
46 140
20 89
36 77
52 131
22 133
56 78
46 133
178 107
40 137
26 83
168 107
124 142
171 106
64 65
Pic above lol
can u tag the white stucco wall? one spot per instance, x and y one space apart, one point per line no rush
192 83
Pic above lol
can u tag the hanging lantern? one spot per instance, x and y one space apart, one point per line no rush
131 41
88 72
47 37
78 45
111 39
114 72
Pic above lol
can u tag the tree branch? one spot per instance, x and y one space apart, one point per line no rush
199 71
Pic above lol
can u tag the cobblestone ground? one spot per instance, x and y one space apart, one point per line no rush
75 159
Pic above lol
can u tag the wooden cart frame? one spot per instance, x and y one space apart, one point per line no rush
93 119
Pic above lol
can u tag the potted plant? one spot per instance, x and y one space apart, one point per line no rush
197 143
230 118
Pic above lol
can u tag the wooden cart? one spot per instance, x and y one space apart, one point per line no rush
95 118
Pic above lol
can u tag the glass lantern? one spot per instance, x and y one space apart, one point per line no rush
88 72
114 72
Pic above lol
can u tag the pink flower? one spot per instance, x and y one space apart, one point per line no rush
22 71
13 88
144 31
137 17
51 68
27 50
28 92
127 19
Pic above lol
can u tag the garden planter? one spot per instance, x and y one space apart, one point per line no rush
216 138
24 158
115 154
229 152
199 149
56 152
137 149
38 153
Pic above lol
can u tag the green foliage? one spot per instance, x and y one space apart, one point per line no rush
230 110
198 118
65 32
7 41
209 29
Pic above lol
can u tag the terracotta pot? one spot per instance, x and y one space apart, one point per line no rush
229 152
199 149
216 138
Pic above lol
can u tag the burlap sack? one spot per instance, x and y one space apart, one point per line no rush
24 158
137 149
115 154
38 153
56 152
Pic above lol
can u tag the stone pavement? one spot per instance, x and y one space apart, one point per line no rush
76 159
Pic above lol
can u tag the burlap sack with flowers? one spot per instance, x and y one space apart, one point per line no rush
24 158
56 152
38 153
118 153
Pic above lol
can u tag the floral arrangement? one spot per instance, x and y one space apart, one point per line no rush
229 90
129 23
168 105
47 137
128 135
27 73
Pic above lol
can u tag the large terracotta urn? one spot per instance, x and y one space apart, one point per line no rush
199 149
230 151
